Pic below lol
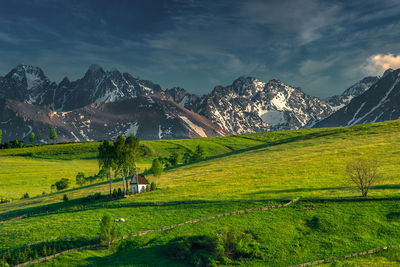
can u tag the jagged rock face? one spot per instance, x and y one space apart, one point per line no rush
249 105
148 117
27 84
182 97
339 101
380 102
99 86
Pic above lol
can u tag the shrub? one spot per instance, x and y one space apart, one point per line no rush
120 193
223 248
62 184
115 193
174 158
26 195
80 178
95 196
65 198
153 186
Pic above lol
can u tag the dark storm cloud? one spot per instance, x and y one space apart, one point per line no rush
321 46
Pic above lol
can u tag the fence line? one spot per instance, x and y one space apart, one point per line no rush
161 229
371 251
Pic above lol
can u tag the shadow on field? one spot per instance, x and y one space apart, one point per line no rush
80 204
133 253
341 188
296 190
267 144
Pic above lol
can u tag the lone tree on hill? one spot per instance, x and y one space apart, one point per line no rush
106 158
363 173
53 135
157 169
108 231
32 137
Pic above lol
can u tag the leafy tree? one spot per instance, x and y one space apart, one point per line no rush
65 198
157 169
153 186
127 153
106 158
134 150
32 137
174 158
62 184
121 158
108 231
38 137
80 178
53 134
363 173
198 154
187 157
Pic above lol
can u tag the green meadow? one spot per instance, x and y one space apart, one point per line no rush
241 172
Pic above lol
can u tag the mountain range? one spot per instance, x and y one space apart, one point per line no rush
103 104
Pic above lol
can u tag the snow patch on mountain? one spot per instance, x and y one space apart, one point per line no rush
273 117
132 128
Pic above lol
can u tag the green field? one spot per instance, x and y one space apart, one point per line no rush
241 172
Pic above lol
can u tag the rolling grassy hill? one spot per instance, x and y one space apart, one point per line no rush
242 172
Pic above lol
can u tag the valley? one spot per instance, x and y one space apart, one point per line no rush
257 170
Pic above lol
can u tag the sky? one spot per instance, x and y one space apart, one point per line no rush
321 46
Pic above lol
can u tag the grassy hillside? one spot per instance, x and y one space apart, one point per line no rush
244 172
34 169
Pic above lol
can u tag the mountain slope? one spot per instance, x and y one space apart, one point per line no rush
249 105
380 102
339 101
99 86
30 85
148 117
27 84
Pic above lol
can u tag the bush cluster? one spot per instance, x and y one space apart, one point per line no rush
117 193
61 184
4 200
196 155
81 179
95 196
14 257
223 248
12 144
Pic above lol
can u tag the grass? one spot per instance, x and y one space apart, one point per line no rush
243 172
304 232
389 258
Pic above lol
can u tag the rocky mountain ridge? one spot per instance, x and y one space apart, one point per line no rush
247 105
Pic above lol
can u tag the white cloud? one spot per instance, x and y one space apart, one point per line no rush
378 63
